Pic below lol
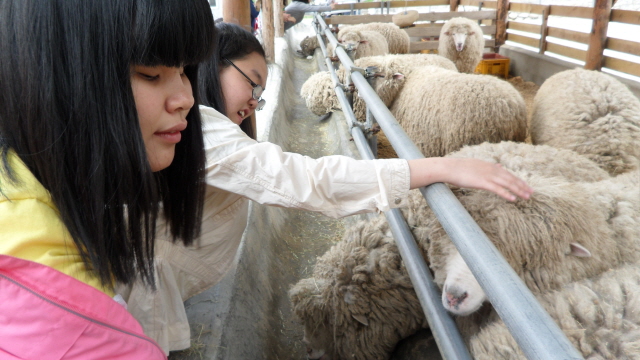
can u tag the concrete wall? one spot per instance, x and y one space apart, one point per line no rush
537 68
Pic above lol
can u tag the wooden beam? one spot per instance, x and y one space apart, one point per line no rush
525 27
544 30
526 8
435 30
524 40
570 35
278 9
572 11
237 12
268 31
393 4
624 66
501 23
625 16
567 51
625 46
453 5
432 16
598 40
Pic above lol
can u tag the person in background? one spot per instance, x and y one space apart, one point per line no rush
255 11
100 135
240 168
297 8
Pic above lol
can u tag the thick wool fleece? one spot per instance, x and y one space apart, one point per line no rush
441 111
360 279
591 113
468 58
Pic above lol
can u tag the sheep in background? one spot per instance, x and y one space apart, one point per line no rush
360 301
397 38
391 73
319 93
363 43
591 113
389 79
462 42
441 111
308 45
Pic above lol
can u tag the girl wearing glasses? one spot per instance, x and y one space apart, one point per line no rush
240 168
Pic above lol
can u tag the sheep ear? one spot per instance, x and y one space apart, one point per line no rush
398 76
447 33
361 319
364 41
471 33
579 250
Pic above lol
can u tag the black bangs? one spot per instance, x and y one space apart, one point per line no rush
172 33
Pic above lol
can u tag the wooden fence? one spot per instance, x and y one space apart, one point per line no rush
492 14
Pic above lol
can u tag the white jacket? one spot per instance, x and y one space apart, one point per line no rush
240 168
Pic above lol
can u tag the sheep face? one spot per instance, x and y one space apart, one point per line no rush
461 293
459 38
351 40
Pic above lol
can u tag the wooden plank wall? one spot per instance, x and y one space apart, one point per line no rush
424 34
594 58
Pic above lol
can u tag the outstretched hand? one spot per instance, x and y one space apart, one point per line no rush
468 173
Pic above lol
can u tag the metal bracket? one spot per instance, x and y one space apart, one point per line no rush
370 72
360 70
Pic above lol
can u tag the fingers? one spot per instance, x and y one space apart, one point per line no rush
509 186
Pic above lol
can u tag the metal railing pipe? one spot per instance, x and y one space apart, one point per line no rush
534 330
442 326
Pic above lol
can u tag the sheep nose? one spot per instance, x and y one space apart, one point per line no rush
455 297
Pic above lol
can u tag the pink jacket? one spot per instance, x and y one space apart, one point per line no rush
46 315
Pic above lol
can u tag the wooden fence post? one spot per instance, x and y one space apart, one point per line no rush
501 23
598 38
237 12
544 30
267 29
279 21
453 5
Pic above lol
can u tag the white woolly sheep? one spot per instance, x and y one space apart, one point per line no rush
352 280
591 113
360 301
568 231
389 79
397 38
600 317
391 73
441 111
319 93
363 43
462 42
538 236
308 45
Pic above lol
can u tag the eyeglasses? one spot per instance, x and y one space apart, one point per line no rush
257 89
